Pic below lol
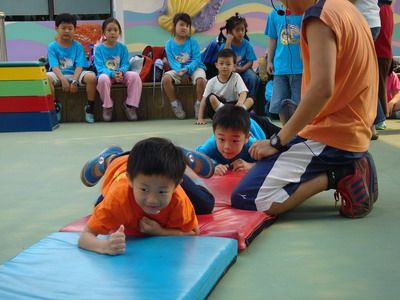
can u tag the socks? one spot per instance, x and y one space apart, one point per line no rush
90 107
334 176
174 103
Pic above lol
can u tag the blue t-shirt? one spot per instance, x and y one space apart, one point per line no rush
67 59
210 146
184 56
244 52
286 31
109 60
268 90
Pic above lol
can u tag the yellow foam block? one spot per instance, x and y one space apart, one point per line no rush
23 73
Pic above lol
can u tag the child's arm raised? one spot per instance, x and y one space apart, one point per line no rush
151 227
115 244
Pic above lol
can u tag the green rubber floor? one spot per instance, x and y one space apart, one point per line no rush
309 253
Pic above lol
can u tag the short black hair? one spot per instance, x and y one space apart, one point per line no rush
108 21
181 17
226 53
232 116
65 18
156 156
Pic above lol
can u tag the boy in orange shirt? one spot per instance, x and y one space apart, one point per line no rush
142 196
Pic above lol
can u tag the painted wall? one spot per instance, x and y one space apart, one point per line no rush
28 40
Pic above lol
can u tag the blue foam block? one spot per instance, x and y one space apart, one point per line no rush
28 121
151 268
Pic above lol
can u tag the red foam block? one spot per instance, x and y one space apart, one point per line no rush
26 104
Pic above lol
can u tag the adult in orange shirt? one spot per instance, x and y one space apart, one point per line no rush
142 195
324 144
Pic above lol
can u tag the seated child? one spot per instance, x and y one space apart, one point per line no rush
183 54
226 87
234 133
67 60
393 95
111 60
141 193
238 41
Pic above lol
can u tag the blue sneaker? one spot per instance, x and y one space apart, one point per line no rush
200 163
95 168
89 118
58 107
380 125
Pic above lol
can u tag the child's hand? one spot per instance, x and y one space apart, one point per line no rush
241 165
65 85
220 170
73 88
116 242
150 227
119 76
182 72
229 38
200 122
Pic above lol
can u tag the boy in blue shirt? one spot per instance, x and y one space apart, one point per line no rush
234 133
284 60
67 60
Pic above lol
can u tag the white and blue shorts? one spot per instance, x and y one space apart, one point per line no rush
277 177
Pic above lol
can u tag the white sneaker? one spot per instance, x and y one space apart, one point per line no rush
178 110
196 109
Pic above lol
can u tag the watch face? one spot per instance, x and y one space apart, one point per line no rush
274 140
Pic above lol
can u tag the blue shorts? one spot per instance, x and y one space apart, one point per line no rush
276 178
285 87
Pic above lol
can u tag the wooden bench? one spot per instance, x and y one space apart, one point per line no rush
151 107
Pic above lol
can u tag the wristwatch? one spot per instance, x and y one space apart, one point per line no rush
74 82
275 141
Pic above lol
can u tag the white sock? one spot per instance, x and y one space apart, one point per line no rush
219 106
174 103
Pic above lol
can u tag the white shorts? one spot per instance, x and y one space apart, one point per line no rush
198 73
57 81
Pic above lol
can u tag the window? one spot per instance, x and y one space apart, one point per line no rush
44 10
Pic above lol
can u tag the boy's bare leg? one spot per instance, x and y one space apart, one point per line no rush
168 87
90 81
248 103
200 86
51 84
215 103
305 191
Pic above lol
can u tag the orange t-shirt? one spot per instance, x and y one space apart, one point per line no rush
120 207
345 120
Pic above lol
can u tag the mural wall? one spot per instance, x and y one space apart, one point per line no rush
28 40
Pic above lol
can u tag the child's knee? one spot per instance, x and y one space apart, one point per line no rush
89 78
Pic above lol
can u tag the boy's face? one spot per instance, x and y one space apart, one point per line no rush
225 66
66 31
152 192
182 29
230 142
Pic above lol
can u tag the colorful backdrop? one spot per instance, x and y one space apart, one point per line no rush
28 40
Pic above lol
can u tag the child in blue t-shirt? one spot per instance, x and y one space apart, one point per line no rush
234 132
183 54
67 60
284 60
112 63
237 40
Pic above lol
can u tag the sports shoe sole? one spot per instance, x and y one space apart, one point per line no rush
200 163
91 163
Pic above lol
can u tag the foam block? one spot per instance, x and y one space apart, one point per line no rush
23 73
28 121
24 88
26 103
151 268
241 225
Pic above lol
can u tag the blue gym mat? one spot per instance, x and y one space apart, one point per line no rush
151 268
